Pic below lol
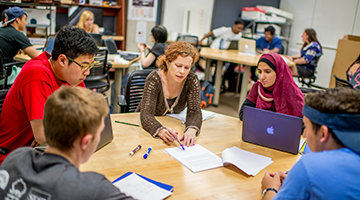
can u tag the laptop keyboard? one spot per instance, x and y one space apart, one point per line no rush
129 56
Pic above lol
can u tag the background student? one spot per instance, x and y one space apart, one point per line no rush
86 22
158 36
332 171
224 36
353 73
309 55
21 119
11 37
276 90
73 122
169 90
269 42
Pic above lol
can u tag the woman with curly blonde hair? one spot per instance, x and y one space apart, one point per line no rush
169 90
86 22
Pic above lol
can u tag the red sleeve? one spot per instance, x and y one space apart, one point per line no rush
252 96
34 95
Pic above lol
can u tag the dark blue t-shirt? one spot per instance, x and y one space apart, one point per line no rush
263 44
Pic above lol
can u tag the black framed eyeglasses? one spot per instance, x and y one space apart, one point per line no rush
83 67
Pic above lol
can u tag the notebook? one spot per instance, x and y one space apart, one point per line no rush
49 45
97 38
247 46
234 45
140 187
271 129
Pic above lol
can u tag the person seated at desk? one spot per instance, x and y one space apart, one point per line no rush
21 119
158 36
276 90
309 55
353 73
332 171
224 36
11 37
269 42
86 22
73 122
169 90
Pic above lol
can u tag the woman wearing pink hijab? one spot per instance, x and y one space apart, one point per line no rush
275 90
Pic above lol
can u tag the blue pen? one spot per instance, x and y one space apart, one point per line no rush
180 143
147 153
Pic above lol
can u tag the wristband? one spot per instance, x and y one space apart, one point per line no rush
273 189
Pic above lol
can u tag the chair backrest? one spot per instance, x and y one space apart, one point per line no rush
3 94
100 70
192 39
5 71
111 45
135 88
339 82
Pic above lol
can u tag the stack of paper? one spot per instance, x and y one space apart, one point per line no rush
142 188
248 162
182 115
196 158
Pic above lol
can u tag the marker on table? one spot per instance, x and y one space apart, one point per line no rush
135 150
147 153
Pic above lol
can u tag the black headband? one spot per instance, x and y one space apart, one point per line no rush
271 65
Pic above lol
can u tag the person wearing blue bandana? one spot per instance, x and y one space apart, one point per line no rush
332 132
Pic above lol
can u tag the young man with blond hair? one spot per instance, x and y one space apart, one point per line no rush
332 131
73 122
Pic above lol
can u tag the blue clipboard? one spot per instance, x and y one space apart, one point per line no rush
162 185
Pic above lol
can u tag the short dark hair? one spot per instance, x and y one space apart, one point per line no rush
73 42
239 21
270 29
337 100
159 33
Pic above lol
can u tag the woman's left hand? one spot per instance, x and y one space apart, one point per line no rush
189 137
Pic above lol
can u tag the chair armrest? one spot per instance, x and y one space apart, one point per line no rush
108 66
14 63
122 103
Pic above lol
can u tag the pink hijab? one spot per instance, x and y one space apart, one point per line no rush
284 96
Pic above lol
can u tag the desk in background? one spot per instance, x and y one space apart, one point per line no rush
234 57
217 134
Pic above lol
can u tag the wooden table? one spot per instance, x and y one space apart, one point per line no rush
217 134
119 71
234 57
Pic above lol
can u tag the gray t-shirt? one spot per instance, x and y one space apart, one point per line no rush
29 174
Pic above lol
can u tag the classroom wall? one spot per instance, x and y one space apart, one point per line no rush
227 11
331 19
173 16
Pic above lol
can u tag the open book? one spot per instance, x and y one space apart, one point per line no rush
198 158
182 115
140 187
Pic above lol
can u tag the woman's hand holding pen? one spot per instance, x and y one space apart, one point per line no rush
189 137
168 135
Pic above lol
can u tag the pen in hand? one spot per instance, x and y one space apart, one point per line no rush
180 143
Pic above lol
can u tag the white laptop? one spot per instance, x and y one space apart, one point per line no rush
247 46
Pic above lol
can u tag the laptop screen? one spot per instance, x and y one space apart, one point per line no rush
97 38
49 44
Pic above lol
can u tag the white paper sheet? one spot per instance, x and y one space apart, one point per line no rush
135 186
182 115
248 162
196 158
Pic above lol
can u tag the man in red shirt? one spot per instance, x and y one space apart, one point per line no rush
21 120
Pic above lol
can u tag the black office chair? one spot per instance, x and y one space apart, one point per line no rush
339 82
3 94
5 70
98 72
309 80
133 91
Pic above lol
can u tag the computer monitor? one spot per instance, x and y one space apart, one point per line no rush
97 38
111 45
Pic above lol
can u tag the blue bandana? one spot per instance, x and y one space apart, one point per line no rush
346 127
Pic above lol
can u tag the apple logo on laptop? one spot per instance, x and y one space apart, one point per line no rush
246 46
270 130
